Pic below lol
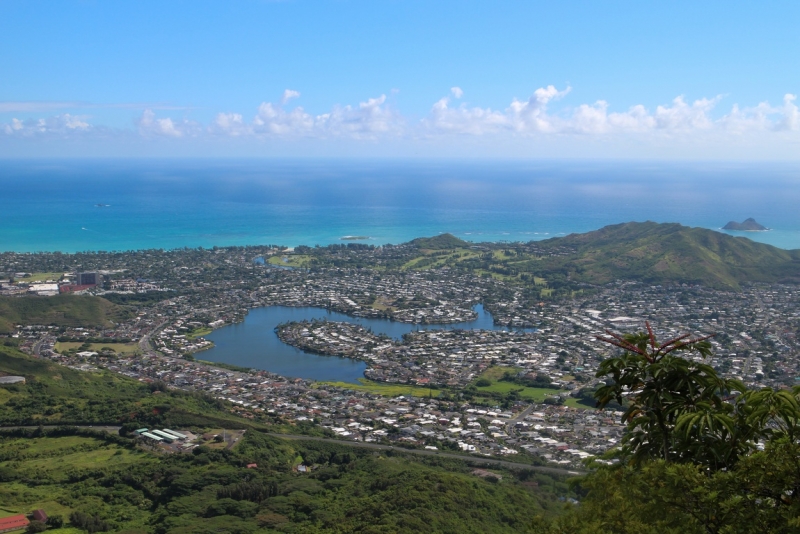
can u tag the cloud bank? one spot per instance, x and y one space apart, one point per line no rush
543 115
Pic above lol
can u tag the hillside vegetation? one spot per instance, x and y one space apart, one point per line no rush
647 252
101 482
54 394
440 242
656 253
60 310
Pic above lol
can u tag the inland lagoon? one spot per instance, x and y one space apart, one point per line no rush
254 344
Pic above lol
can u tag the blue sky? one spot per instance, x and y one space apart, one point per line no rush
623 79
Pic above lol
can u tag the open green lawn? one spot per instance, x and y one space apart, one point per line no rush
291 260
496 372
199 332
388 390
411 264
535 394
41 277
121 348
429 259
572 402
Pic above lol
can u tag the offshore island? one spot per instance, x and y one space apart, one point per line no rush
748 225
517 391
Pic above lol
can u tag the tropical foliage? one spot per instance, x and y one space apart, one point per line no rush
702 453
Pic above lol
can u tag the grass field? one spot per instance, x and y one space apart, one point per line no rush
457 255
41 277
388 390
291 260
199 332
496 372
121 348
572 402
534 394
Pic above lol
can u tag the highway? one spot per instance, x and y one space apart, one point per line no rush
473 460
427 452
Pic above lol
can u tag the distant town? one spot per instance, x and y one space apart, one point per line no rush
523 390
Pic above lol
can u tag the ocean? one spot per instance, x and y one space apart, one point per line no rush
82 205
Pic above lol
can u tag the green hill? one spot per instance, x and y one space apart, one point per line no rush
61 310
54 394
658 253
440 242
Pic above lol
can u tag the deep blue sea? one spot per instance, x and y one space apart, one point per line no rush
76 205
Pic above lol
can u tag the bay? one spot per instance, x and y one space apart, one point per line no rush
253 343
84 205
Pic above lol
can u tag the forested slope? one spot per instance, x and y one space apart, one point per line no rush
61 310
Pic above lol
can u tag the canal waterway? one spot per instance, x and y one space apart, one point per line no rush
254 343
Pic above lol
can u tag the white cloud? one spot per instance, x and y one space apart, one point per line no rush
521 116
274 120
57 125
150 125
791 115
533 117
682 116
289 94
463 120
537 117
230 124
368 120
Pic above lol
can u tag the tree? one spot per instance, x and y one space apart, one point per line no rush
681 410
691 462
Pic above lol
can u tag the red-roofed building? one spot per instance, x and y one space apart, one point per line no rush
15 522
40 515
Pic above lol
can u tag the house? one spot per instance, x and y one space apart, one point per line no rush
14 522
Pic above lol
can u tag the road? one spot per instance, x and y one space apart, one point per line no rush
236 435
37 347
522 415
144 343
428 452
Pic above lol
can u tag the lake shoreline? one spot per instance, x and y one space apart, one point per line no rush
254 343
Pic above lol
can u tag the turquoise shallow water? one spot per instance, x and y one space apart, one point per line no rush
53 205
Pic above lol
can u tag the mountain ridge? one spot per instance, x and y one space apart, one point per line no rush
659 252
